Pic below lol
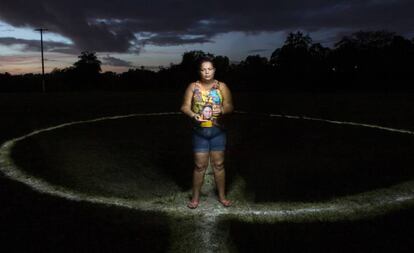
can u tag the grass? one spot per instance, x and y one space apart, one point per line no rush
290 161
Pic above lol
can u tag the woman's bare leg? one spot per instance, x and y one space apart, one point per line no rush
201 164
217 160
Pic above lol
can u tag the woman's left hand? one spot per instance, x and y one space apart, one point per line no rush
217 110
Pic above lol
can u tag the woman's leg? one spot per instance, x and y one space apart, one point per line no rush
217 160
201 164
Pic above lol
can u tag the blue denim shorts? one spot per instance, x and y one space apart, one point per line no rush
207 139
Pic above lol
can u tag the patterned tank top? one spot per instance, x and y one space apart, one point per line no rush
204 102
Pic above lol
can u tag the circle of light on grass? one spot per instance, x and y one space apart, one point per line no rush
370 203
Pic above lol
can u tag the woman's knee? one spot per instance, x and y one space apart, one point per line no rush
200 166
201 161
218 165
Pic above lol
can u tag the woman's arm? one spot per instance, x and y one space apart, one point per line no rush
186 106
227 99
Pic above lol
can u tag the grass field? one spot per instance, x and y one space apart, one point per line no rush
280 160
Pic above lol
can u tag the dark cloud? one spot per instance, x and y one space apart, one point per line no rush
174 39
112 61
108 26
34 45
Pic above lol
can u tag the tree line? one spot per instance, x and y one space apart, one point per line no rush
362 61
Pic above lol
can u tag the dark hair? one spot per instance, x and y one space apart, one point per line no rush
205 59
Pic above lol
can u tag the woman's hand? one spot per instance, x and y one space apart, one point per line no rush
199 118
217 110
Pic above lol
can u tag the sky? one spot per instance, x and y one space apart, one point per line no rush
152 33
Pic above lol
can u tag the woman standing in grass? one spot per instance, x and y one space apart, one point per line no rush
205 101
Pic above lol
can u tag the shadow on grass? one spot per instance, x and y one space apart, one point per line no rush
302 160
33 222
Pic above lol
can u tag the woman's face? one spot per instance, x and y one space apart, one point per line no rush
207 71
207 112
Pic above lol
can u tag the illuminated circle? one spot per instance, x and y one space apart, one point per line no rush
355 206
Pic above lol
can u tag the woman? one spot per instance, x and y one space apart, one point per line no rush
205 101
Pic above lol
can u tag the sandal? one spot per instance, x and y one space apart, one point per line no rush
226 202
193 204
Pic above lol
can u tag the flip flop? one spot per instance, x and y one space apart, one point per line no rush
226 202
193 204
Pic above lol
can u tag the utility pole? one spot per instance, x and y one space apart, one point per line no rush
43 64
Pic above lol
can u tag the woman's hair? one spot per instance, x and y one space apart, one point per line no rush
205 59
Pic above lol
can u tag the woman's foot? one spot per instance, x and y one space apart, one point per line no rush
193 204
225 202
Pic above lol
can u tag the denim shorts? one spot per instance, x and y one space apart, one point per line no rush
207 139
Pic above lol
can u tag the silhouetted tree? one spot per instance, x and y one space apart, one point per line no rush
222 65
399 54
88 63
363 50
294 56
138 79
86 70
319 59
298 40
253 72
373 54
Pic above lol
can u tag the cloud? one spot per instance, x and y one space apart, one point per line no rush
112 61
168 39
113 26
34 45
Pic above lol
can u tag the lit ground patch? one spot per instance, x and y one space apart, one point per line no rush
125 158
290 169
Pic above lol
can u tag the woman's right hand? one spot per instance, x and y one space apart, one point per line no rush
197 117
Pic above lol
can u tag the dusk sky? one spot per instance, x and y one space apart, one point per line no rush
131 33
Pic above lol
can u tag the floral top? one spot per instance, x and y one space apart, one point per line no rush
205 102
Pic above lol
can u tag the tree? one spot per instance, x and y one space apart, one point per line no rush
253 72
372 52
88 64
298 40
293 57
319 58
222 65
85 72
